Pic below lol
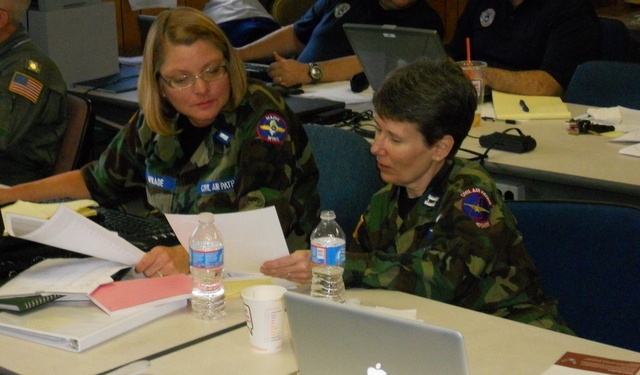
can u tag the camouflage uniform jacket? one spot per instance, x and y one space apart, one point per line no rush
458 244
254 157
33 110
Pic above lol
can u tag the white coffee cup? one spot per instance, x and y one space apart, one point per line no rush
264 314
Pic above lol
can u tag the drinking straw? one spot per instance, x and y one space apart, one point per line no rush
468 51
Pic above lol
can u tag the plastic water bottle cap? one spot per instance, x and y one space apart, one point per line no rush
205 217
327 215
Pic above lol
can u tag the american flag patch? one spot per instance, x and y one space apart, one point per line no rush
26 86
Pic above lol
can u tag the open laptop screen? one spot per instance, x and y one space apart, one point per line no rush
384 48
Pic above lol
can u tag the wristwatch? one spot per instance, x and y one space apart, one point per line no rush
315 72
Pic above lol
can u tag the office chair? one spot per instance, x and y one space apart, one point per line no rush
588 256
144 24
348 173
605 84
75 149
616 40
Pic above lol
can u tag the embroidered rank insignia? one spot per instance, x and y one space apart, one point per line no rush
26 86
33 66
224 137
272 128
476 204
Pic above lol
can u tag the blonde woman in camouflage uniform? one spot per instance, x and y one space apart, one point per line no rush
205 140
440 228
33 102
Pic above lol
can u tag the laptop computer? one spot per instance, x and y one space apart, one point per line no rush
384 48
333 338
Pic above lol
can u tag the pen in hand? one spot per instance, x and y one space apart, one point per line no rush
523 105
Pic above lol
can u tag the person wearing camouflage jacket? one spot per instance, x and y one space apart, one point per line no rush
33 102
206 139
254 157
440 228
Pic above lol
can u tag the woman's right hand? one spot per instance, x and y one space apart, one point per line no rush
294 267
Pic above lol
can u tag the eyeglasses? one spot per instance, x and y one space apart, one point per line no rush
210 74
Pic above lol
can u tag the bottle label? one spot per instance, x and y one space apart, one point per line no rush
207 259
328 255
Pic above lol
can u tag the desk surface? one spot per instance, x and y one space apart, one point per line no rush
494 345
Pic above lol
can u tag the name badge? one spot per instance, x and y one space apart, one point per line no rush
217 186
162 182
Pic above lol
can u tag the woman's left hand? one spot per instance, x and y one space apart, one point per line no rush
295 267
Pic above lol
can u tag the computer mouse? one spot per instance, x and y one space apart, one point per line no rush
359 82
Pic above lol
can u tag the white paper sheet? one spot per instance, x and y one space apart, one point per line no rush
339 91
69 230
62 276
250 237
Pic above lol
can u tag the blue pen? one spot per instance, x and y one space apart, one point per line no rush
524 106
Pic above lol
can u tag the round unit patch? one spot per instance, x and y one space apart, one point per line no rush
477 205
272 128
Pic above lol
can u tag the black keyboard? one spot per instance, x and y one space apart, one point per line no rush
258 71
144 233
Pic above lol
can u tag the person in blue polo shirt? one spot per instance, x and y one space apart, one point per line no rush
531 47
315 48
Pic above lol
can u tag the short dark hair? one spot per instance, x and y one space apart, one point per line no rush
436 97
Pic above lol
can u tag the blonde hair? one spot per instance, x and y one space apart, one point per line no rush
182 26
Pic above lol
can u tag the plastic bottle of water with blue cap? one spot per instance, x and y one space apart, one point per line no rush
327 259
206 251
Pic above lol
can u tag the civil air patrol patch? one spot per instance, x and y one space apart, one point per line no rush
341 9
272 128
477 205
486 17
26 86
33 66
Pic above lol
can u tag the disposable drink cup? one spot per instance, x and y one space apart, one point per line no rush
475 71
264 314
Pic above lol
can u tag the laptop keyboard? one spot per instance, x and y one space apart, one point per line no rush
144 233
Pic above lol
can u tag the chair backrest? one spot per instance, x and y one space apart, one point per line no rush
348 173
144 24
616 41
588 255
605 84
75 149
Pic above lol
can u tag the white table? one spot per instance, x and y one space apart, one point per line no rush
494 345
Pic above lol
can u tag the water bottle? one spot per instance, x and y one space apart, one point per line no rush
207 263
327 259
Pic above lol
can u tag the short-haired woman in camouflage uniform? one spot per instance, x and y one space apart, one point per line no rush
440 228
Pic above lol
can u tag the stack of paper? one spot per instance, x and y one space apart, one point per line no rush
528 107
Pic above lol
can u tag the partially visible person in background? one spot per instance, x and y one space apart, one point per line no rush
33 102
531 47
316 49
243 21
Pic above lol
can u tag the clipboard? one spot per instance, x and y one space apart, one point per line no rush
507 107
